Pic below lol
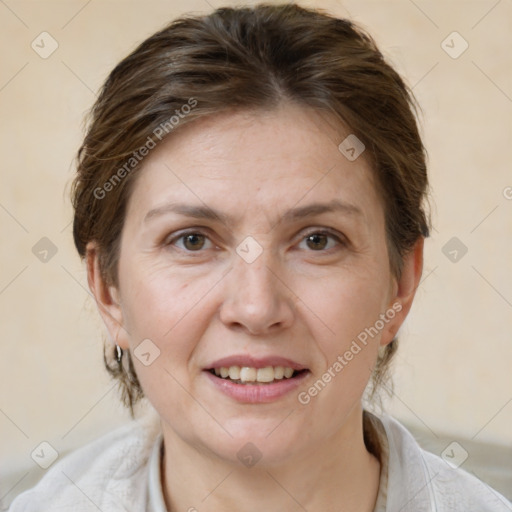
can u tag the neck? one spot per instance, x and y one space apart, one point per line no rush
338 474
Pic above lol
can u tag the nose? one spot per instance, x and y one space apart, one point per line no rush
256 299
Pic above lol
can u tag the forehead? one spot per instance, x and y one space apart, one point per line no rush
244 160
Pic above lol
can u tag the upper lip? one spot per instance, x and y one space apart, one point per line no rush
255 362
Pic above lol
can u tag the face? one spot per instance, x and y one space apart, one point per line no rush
253 245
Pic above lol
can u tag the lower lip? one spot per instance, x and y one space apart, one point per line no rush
256 393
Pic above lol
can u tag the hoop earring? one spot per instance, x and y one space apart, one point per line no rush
119 354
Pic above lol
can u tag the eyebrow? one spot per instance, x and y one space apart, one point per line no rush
294 214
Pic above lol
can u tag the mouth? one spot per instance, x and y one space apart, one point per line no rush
256 376
253 380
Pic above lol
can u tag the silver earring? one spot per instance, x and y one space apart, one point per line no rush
118 354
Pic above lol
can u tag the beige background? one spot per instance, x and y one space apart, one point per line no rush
453 374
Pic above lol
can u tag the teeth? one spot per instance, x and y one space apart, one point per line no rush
288 372
278 372
265 374
247 374
234 372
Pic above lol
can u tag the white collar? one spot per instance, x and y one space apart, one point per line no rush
156 501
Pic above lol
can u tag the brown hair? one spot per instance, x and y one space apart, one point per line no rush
239 59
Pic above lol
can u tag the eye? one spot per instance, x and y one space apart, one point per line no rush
193 241
318 241
196 241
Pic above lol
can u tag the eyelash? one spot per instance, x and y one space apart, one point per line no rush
325 232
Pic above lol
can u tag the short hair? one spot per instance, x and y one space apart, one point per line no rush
243 59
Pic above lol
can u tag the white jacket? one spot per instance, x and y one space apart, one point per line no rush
120 472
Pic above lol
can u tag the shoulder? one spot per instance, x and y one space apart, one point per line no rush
429 482
109 474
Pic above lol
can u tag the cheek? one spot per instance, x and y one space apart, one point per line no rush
350 310
346 304
171 309
170 312
157 296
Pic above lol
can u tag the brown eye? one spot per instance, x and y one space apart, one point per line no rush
193 241
322 241
317 241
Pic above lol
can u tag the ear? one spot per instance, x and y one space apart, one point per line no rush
404 290
106 297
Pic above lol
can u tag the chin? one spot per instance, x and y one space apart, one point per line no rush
263 443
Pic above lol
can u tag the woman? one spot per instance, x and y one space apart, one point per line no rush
249 204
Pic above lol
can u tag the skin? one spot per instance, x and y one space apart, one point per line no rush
198 300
